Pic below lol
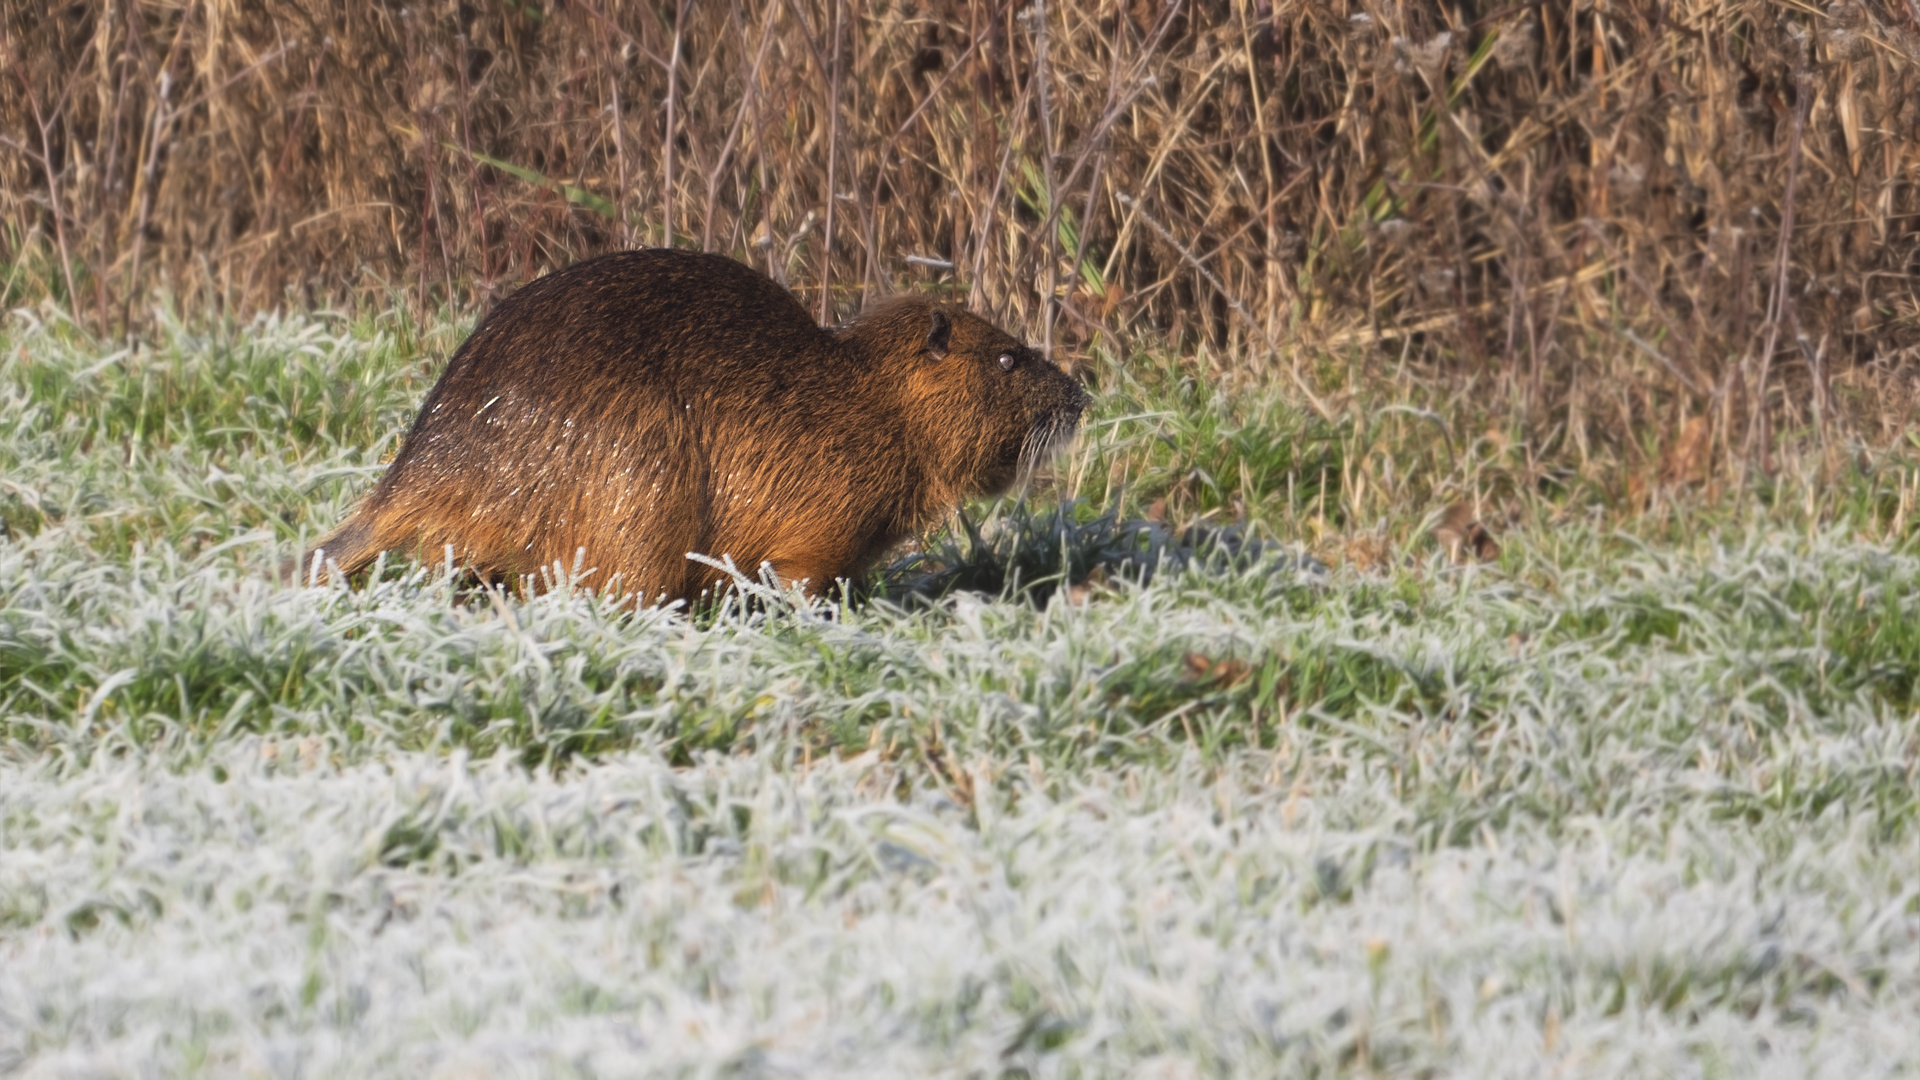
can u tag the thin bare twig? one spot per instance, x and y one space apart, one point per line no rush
672 127
473 165
774 271
739 119
1049 233
149 169
953 69
976 293
833 154
45 125
1233 302
1117 103
620 160
1758 437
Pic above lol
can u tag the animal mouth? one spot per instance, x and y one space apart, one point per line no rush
1048 435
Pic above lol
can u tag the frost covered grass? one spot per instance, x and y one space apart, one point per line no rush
1612 806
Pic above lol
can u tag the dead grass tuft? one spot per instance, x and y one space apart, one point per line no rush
1657 234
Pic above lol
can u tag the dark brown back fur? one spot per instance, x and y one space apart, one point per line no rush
649 404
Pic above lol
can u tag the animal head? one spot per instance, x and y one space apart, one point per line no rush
989 408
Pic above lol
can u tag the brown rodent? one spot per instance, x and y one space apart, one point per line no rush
642 406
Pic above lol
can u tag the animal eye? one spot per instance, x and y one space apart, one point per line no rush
1006 361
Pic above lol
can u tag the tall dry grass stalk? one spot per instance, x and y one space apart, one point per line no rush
1610 217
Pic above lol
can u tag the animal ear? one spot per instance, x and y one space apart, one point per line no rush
939 334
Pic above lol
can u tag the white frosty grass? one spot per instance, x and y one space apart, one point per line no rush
1602 811
732 918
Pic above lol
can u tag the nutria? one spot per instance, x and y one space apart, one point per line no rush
638 407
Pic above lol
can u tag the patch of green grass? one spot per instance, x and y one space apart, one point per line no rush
194 435
1161 435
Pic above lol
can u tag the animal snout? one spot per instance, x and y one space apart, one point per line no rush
1077 401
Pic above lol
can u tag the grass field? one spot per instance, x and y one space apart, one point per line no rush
1638 798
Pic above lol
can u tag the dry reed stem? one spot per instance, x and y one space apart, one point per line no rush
1563 205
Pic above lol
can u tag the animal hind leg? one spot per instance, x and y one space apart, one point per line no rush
815 567
362 538
350 547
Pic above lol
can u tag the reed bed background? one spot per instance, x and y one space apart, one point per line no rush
1681 236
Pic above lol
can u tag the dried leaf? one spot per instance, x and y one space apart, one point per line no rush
1686 459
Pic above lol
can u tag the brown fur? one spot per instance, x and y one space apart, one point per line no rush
645 405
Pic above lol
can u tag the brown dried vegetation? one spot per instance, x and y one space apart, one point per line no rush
1608 217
